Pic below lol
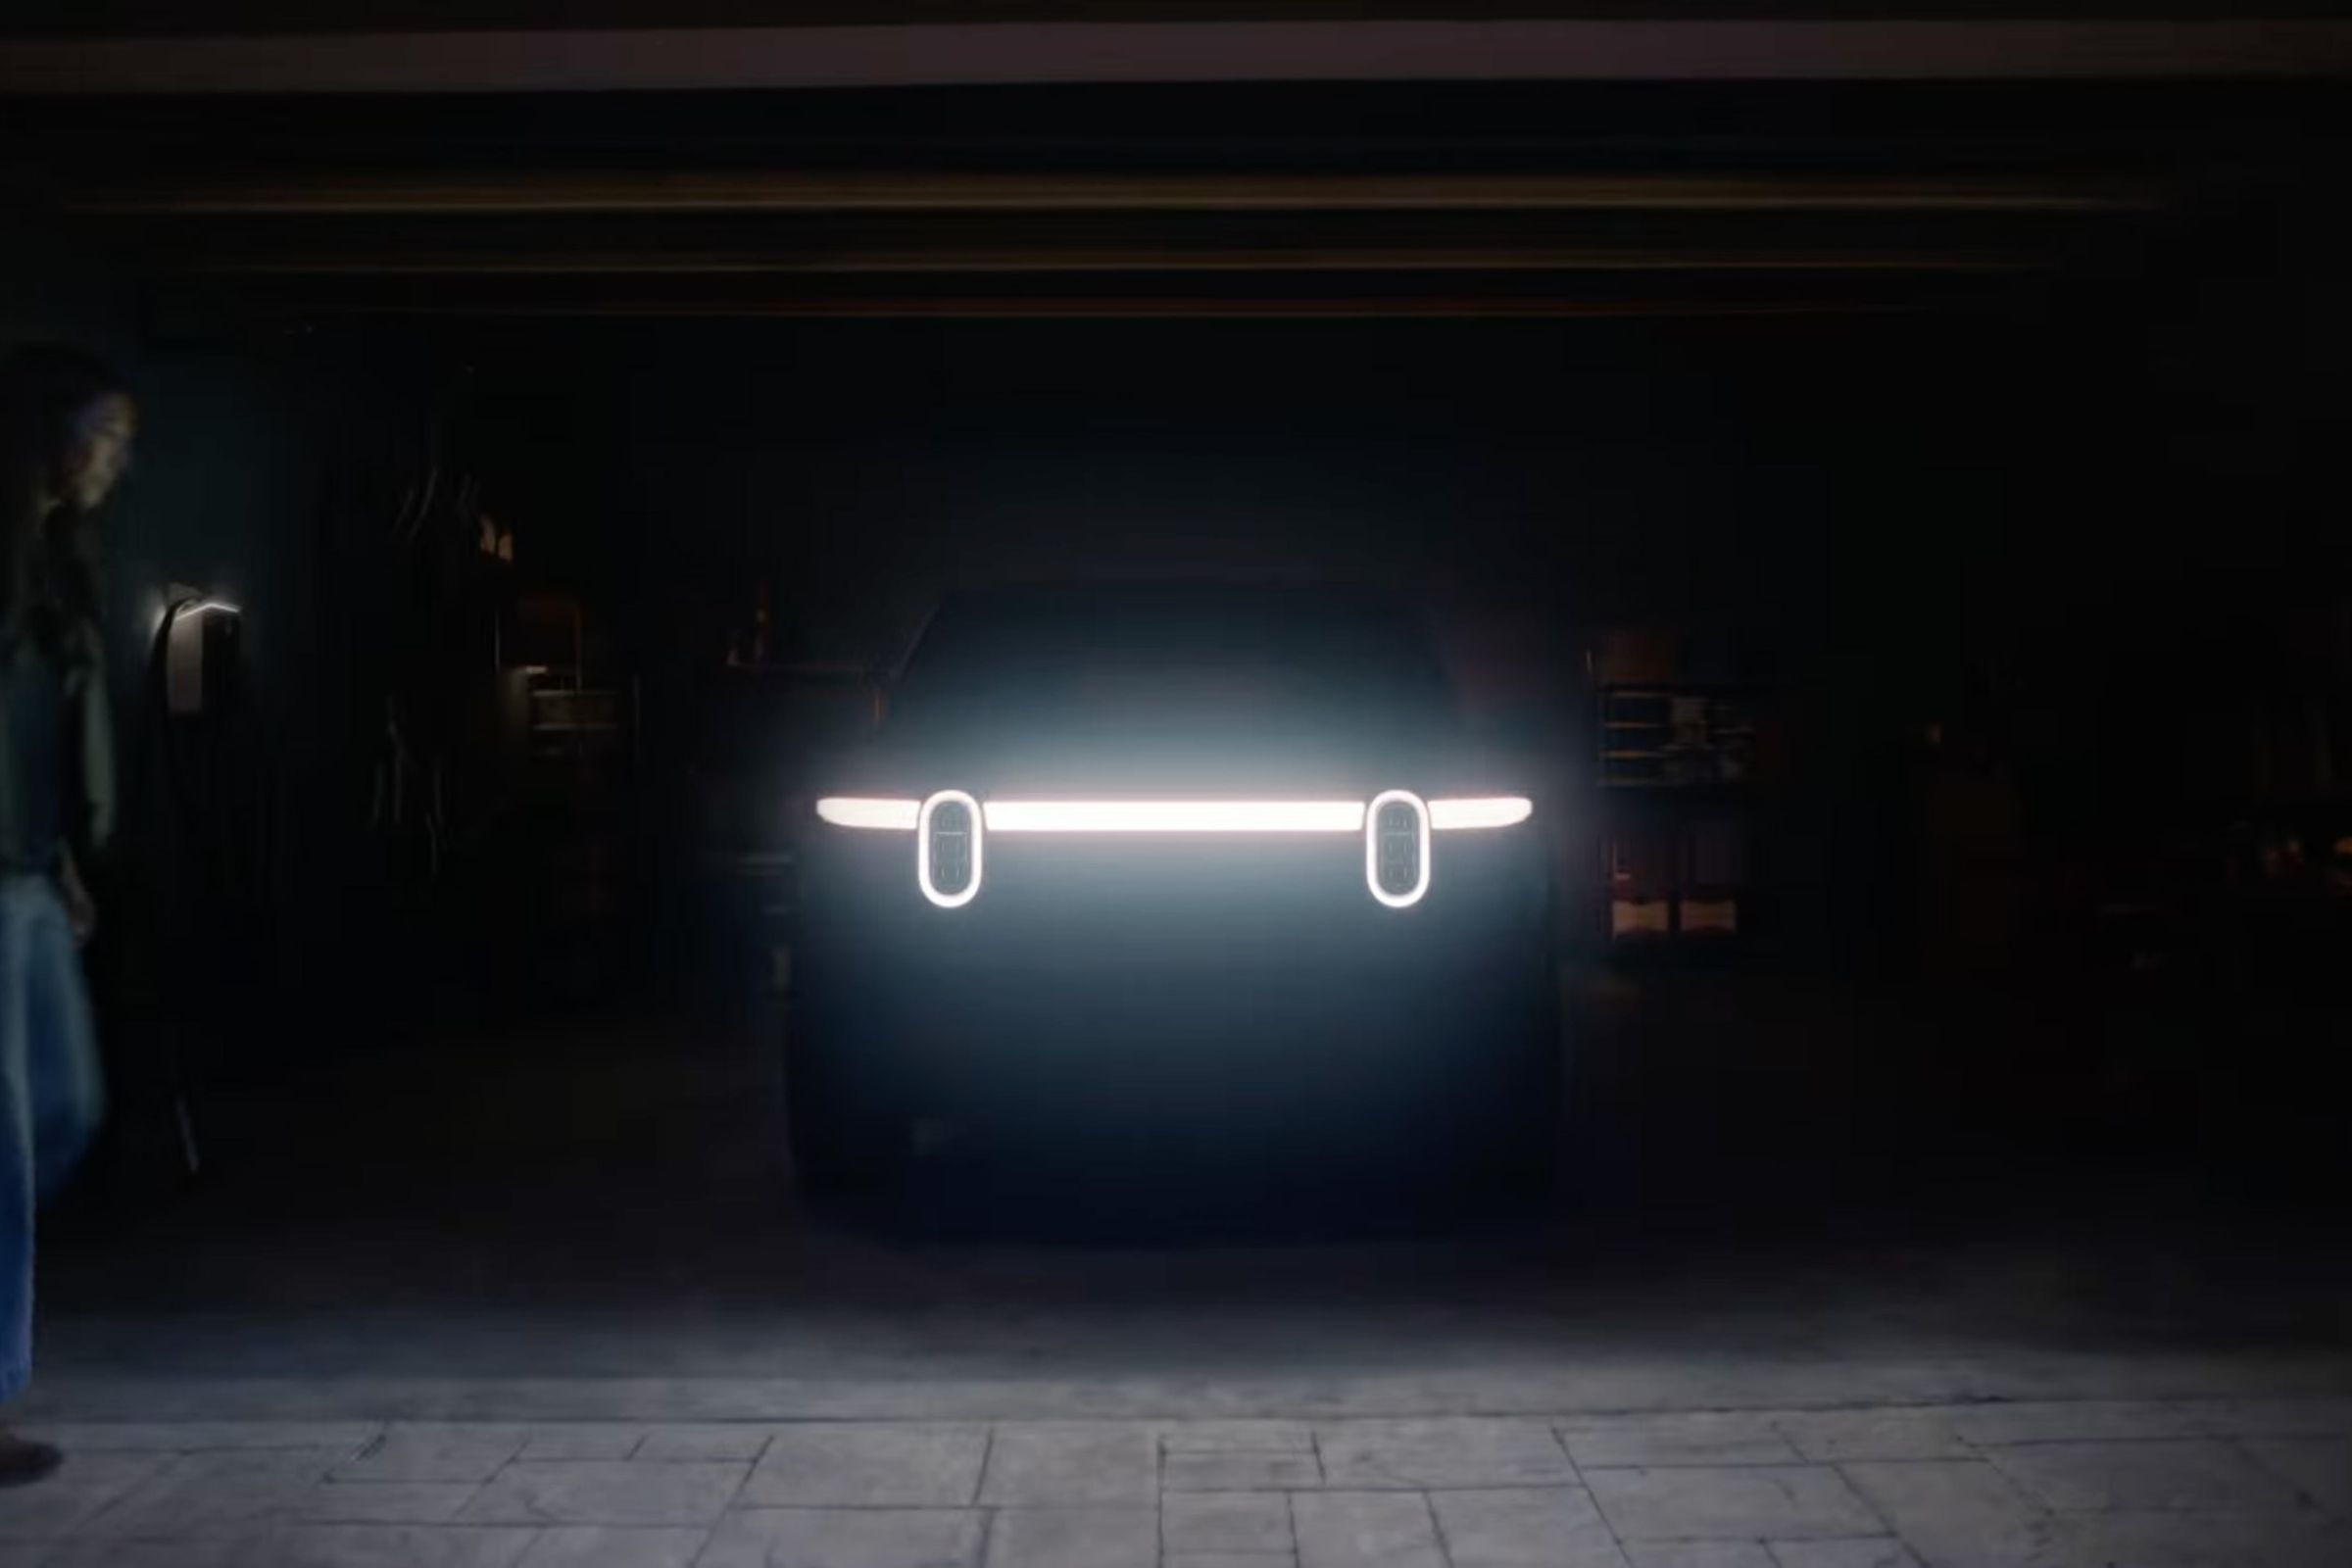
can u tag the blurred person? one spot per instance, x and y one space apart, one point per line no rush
66 430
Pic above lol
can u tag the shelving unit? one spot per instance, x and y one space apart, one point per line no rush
1675 763
1676 735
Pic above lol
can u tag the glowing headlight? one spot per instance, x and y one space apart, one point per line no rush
951 825
1397 848
1501 811
1175 816
852 811
948 842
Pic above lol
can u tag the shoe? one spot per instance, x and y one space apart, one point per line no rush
23 1461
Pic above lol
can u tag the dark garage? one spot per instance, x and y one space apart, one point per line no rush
1865 489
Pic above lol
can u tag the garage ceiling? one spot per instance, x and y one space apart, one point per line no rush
1664 195
192 17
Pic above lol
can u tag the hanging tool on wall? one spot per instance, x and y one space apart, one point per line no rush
214 857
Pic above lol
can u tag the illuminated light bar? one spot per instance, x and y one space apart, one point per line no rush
970 808
855 811
1175 816
1380 843
1501 811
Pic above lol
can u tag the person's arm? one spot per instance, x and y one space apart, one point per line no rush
81 911
97 762
94 772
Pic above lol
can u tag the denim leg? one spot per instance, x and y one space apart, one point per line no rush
52 1092
69 1087
16 1142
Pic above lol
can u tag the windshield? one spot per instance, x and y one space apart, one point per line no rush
1110 654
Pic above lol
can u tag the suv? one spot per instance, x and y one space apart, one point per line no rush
1205 877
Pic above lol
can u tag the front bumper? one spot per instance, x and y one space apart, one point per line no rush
1201 988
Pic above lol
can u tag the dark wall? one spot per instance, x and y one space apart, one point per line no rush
2038 528
1804 499
1585 473
233 904
2068 532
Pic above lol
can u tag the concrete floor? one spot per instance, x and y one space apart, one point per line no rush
546 1297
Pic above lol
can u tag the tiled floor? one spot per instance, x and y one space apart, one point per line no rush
2064 1483
590 1330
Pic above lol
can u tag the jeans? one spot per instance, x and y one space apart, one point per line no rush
52 1093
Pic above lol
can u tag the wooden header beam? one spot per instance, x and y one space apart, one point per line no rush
1400 308
1043 53
1094 259
539 193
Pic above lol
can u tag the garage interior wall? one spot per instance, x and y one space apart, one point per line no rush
2085 532
233 918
